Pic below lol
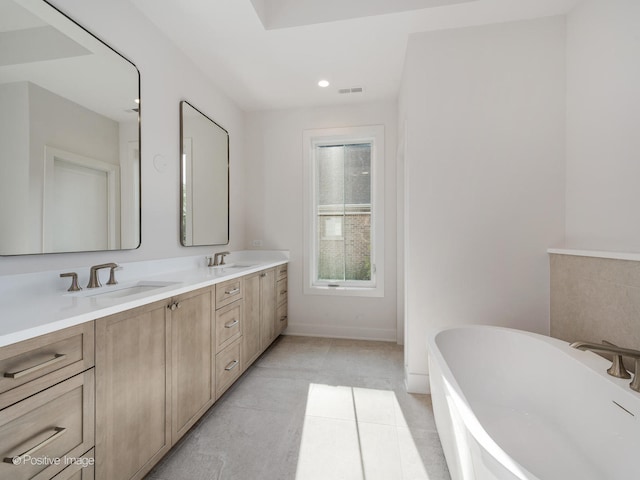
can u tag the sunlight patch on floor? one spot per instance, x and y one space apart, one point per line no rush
356 434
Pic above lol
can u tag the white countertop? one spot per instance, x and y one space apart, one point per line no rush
36 304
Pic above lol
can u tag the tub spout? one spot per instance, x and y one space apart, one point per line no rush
616 369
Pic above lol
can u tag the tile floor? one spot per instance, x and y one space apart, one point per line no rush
314 408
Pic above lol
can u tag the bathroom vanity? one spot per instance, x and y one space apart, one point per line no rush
109 388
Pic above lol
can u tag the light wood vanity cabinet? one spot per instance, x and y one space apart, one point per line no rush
47 404
158 368
133 394
229 329
251 346
267 308
193 359
262 299
282 288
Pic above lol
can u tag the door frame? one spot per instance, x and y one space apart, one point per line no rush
113 186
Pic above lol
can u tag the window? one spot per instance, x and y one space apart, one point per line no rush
344 210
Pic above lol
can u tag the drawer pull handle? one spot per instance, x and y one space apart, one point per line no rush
231 292
231 366
59 431
282 292
282 319
231 324
57 358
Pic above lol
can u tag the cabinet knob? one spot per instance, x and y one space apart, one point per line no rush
172 306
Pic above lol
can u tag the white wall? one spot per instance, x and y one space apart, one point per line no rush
14 176
167 77
274 192
484 114
603 121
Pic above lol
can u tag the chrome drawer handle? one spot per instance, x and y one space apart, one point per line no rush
231 324
231 292
21 373
59 431
232 365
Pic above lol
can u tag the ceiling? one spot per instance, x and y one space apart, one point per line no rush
270 54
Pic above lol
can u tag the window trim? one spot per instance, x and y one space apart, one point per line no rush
350 135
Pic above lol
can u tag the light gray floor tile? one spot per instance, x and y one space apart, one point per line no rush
256 430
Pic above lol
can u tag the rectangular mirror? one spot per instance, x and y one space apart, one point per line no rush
69 136
204 185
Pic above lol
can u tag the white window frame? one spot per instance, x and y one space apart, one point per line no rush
373 134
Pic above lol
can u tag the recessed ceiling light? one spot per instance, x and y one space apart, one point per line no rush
323 83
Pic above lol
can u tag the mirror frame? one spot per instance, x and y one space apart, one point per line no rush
182 206
139 130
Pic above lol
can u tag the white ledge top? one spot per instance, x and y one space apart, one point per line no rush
596 254
37 304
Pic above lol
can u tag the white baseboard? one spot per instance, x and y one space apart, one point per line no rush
417 382
333 331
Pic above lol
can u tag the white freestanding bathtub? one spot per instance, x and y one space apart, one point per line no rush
516 405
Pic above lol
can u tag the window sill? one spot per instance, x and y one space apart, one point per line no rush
345 291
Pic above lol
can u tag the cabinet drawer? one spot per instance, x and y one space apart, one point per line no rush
282 318
228 367
281 271
57 423
281 291
32 365
228 292
82 468
228 324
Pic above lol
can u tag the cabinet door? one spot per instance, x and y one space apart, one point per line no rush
251 348
267 307
133 402
193 356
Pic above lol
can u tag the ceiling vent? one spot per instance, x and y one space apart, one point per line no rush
351 90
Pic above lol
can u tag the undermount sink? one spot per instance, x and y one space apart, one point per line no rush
117 291
236 266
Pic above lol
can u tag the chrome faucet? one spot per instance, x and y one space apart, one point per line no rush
217 259
617 368
94 281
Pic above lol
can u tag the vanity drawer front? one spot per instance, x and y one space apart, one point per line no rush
55 423
228 292
281 291
82 468
281 271
228 367
282 318
228 324
32 365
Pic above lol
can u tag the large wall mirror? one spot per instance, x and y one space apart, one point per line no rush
69 136
204 186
